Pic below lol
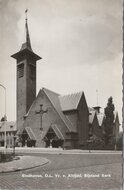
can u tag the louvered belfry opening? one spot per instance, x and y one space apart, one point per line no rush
21 70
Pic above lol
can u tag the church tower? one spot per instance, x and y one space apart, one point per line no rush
26 78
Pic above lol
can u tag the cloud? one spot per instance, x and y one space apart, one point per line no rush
80 42
78 33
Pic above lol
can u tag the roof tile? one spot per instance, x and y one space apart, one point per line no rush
71 101
10 126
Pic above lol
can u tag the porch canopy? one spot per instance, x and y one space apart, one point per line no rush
30 133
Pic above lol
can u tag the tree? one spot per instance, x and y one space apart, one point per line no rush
2 119
119 142
109 121
97 142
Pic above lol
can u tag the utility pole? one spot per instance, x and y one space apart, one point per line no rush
5 119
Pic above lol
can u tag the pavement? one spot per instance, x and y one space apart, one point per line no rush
27 162
22 163
58 150
67 171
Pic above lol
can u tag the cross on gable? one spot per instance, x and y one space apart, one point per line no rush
41 112
26 11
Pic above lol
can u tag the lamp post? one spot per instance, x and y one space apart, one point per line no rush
5 119
14 139
89 143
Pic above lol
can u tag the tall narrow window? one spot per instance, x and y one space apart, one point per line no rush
20 70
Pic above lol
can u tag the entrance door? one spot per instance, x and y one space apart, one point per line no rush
24 138
26 141
51 139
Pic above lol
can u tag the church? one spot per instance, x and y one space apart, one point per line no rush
48 119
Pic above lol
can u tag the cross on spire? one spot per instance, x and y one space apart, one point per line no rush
41 112
27 43
26 13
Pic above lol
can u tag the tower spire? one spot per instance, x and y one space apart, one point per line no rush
26 14
26 77
28 42
26 46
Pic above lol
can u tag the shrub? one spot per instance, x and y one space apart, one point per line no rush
96 142
6 157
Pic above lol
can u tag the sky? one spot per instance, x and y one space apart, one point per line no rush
80 42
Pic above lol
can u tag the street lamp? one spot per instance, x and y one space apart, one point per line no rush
5 119
14 139
89 143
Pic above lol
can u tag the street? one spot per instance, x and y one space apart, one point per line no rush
69 171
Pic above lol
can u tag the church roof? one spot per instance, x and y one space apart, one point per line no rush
71 101
56 130
30 133
100 117
10 126
91 116
59 104
26 47
55 100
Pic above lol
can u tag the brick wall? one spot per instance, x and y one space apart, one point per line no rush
96 129
83 121
26 87
51 117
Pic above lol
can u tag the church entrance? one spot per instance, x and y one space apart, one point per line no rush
26 140
52 140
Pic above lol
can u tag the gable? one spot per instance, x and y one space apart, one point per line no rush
70 102
10 126
55 101
83 104
30 133
100 117
55 131
72 117
91 117
54 117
